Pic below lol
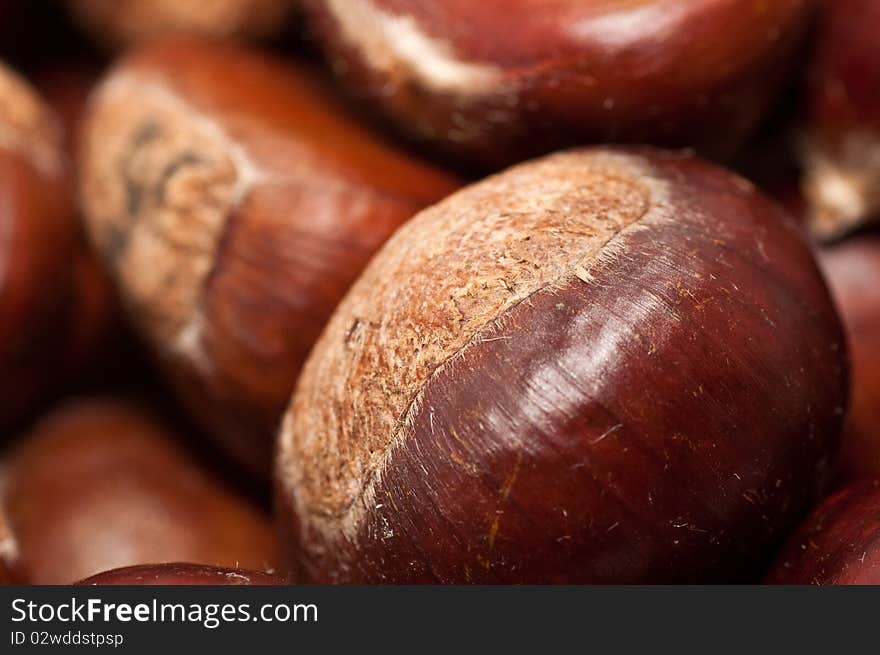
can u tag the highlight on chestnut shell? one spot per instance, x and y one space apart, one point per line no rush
235 202
839 544
496 81
606 366
100 484
180 574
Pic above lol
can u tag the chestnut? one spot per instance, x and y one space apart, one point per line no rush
852 269
38 248
235 203
841 149
59 318
839 544
178 574
493 82
100 484
118 23
606 366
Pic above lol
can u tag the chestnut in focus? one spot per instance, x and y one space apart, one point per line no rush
493 82
101 484
604 366
235 203
179 574
852 269
839 544
119 23
841 152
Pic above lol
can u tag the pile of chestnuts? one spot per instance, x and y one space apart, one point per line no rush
439 291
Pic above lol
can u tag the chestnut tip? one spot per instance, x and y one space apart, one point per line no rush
102 483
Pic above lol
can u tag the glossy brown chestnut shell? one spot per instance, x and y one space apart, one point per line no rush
495 81
838 544
179 574
101 484
235 203
603 366
852 269
841 151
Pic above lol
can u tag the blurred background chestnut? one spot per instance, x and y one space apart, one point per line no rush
852 268
839 543
56 304
100 484
496 81
841 149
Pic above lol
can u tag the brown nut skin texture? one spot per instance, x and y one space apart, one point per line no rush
662 408
235 204
839 544
181 574
492 83
852 268
119 23
841 150
100 484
